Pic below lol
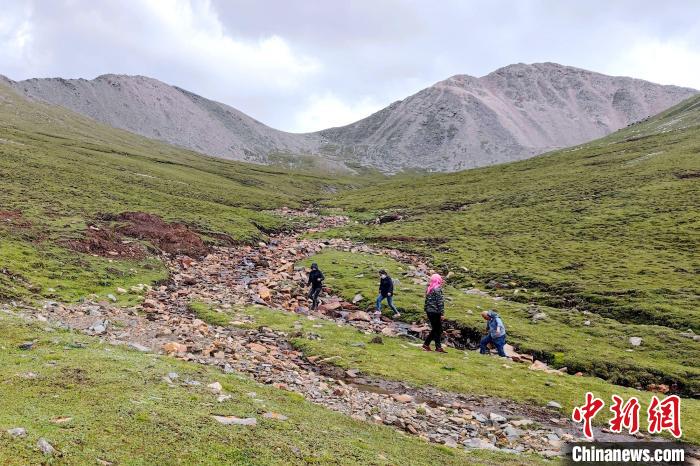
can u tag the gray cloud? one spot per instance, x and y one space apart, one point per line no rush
307 64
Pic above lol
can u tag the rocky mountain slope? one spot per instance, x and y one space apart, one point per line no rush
513 113
157 110
461 122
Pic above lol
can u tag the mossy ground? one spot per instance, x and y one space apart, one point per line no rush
122 411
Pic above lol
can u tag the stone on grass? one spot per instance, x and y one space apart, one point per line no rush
139 347
635 341
495 417
236 421
215 387
553 405
17 432
276 416
45 447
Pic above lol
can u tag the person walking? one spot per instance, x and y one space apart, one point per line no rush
495 333
316 283
435 309
386 291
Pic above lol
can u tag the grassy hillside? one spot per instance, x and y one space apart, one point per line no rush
610 227
588 343
60 172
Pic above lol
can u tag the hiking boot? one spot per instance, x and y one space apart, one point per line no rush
426 348
397 315
440 350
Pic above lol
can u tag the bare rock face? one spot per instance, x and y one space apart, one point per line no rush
513 113
462 122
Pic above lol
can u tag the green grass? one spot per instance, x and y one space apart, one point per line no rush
456 371
601 349
208 314
56 273
607 226
122 411
61 171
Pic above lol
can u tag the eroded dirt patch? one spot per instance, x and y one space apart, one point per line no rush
14 218
107 243
172 238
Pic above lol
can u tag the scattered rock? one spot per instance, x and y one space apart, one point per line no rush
174 347
258 348
358 297
553 405
377 340
236 421
139 347
402 398
360 315
497 418
45 447
27 345
635 341
17 432
215 387
276 416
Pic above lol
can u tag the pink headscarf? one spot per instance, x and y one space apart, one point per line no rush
436 281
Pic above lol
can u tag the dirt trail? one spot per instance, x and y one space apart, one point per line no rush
265 274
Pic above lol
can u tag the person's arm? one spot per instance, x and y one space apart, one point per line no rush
321 277
391 287
440 302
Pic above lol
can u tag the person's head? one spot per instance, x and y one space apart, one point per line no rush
314 266
485 315
382 273
436 282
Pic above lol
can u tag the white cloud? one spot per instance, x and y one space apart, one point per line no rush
327 110
664 62
192 32
15 35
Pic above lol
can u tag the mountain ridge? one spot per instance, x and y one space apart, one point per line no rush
461 122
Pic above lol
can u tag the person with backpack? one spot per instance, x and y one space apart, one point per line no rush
495 333
435 310
316 283
386 291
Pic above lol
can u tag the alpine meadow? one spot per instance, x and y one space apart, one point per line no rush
481 272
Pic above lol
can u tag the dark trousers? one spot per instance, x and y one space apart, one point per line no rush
436 330
498 342
313 296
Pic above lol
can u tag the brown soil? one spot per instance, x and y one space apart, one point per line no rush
118 241
173 238
107 243
14 218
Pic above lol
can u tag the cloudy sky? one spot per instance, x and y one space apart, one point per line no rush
302 65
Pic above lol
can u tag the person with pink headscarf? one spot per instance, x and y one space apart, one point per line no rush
435 309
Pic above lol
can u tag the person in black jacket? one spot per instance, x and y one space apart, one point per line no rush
435 309
316 283
386 291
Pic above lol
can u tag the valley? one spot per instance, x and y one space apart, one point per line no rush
124 260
